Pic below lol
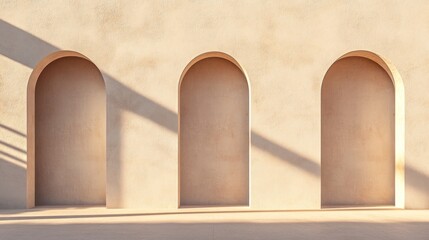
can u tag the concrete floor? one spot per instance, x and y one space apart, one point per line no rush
209 223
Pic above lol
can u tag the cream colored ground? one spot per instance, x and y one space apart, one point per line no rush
219 223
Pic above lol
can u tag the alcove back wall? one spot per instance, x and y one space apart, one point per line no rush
70 130
214 134
358 135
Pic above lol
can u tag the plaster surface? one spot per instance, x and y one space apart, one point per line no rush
358 134
214 134
70 130
142 49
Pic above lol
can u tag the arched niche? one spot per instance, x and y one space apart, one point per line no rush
214 132
66 120
362 118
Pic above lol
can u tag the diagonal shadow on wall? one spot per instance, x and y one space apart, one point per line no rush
7 148
27 49
12 171
12 130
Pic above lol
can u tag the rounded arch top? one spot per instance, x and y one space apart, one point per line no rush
214 91
399 115
214 54
387 66
31 106
42 64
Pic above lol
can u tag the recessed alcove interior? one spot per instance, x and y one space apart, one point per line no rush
67 132
362 133
214 134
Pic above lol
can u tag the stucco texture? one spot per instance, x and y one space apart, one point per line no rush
358 135
214 134
70 134
142 47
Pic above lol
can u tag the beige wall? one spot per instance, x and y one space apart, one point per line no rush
358 135
214 134
70 130
285 47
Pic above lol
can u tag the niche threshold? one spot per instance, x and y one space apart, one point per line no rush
214 208
354 207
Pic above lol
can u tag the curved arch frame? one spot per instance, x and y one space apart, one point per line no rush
399 91
31 94
229 58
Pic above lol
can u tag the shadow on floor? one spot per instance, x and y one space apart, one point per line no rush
226 230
